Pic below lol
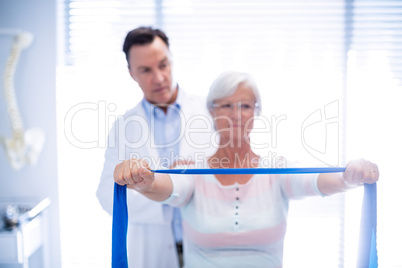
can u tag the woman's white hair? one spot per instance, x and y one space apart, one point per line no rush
226 84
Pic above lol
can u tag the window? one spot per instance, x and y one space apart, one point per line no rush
329 72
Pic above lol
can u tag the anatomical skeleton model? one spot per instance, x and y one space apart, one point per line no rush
24 146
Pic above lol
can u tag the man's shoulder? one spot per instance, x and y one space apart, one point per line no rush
135 113
196 97
190 99
138 108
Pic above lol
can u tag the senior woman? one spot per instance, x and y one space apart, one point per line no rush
236 220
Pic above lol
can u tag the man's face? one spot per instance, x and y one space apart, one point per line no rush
150 66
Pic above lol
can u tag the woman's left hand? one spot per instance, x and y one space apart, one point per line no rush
361 171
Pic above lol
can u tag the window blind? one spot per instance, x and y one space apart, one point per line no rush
365 26
374 90
376 37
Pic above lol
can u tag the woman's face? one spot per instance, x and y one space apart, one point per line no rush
234 115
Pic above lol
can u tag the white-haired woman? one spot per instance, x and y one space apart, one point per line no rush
236 220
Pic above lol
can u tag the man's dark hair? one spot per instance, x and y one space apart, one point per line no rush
142 36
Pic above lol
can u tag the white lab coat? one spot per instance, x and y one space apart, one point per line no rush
150 238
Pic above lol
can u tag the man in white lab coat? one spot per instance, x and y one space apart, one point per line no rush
166 127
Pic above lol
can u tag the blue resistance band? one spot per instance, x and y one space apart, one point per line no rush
367 247
119 227
237 171
368 256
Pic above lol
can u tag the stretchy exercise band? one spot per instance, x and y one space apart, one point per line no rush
119 227
367 256
236 171
368 231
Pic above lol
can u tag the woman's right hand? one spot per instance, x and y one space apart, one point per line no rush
135 174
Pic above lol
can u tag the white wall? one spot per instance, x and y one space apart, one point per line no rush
35 90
